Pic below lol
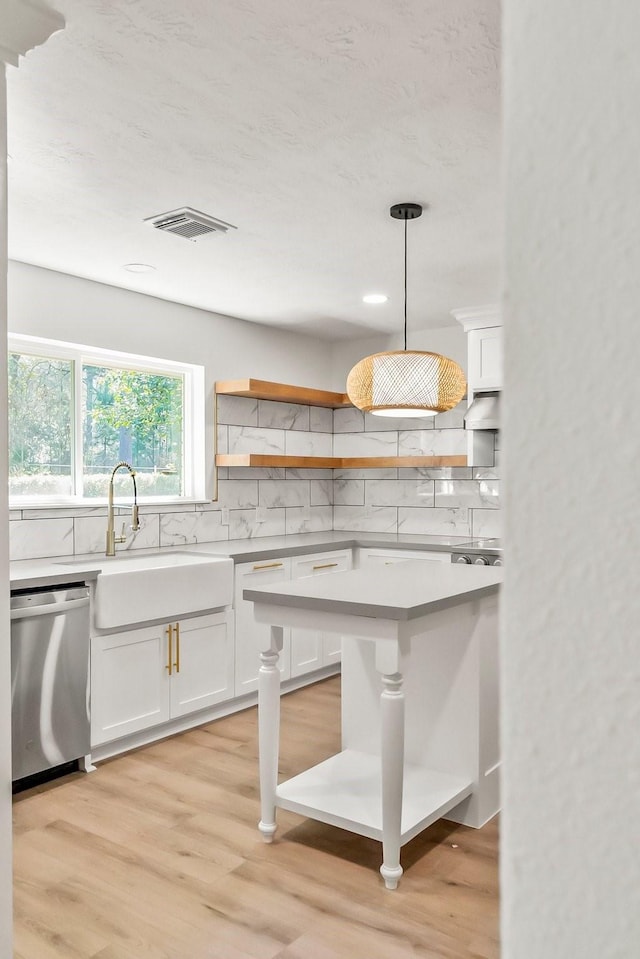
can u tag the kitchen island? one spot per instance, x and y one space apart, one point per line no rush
419 701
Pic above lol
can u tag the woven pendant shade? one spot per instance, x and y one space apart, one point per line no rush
406 382
409 382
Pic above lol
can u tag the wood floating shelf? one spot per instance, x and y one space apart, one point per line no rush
379 462
282 393
337 462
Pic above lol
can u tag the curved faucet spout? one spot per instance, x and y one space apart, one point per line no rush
112 539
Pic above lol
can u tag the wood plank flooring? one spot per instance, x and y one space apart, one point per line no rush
157 856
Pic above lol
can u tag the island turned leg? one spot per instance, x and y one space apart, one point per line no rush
392 755
269 731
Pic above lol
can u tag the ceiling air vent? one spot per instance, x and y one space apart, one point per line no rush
191 224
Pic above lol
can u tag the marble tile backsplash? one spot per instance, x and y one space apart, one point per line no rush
41 537
272 501
453 501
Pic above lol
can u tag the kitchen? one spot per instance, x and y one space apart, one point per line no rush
276 372
241 410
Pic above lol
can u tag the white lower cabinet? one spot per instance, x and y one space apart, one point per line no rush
150 675
312 649
368 556
248 631
203 668
303 650
147 676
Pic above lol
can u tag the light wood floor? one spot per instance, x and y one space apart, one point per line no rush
157 856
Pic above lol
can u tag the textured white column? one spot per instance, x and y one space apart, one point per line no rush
570 634
6 919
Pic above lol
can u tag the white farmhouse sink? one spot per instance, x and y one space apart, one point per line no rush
166 585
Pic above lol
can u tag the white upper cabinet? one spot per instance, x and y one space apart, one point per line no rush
485 359
483 326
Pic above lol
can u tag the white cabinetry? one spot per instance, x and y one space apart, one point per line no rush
369 556
129 689
144 677
203 657
483 326
248 632
312 649
304 650
485 359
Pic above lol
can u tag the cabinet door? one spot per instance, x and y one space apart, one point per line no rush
248 632
310 648
202 669
485 359
331 648
389 557
129 682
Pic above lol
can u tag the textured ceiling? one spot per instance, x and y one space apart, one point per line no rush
299 121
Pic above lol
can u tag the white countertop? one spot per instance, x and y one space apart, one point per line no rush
50 571
402 592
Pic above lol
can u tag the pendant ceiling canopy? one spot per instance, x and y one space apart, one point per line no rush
406 382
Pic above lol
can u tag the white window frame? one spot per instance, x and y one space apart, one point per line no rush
193 415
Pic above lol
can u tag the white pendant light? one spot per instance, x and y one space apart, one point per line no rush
406 382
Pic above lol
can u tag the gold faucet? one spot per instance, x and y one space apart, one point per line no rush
112 539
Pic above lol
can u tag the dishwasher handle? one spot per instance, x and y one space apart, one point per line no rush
48 609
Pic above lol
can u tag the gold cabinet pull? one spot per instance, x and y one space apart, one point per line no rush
325 565
177 662
168 667
267 565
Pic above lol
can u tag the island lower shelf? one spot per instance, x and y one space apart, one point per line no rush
346 791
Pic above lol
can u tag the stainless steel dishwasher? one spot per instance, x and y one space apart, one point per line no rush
50 718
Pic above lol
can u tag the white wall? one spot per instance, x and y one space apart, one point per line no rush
46 303
346 353
570 650
59 306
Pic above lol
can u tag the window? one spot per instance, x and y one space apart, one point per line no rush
75 412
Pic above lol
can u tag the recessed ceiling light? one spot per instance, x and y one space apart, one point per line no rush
375 298
139 267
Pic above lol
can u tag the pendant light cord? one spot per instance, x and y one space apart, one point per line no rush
405 211
405 283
